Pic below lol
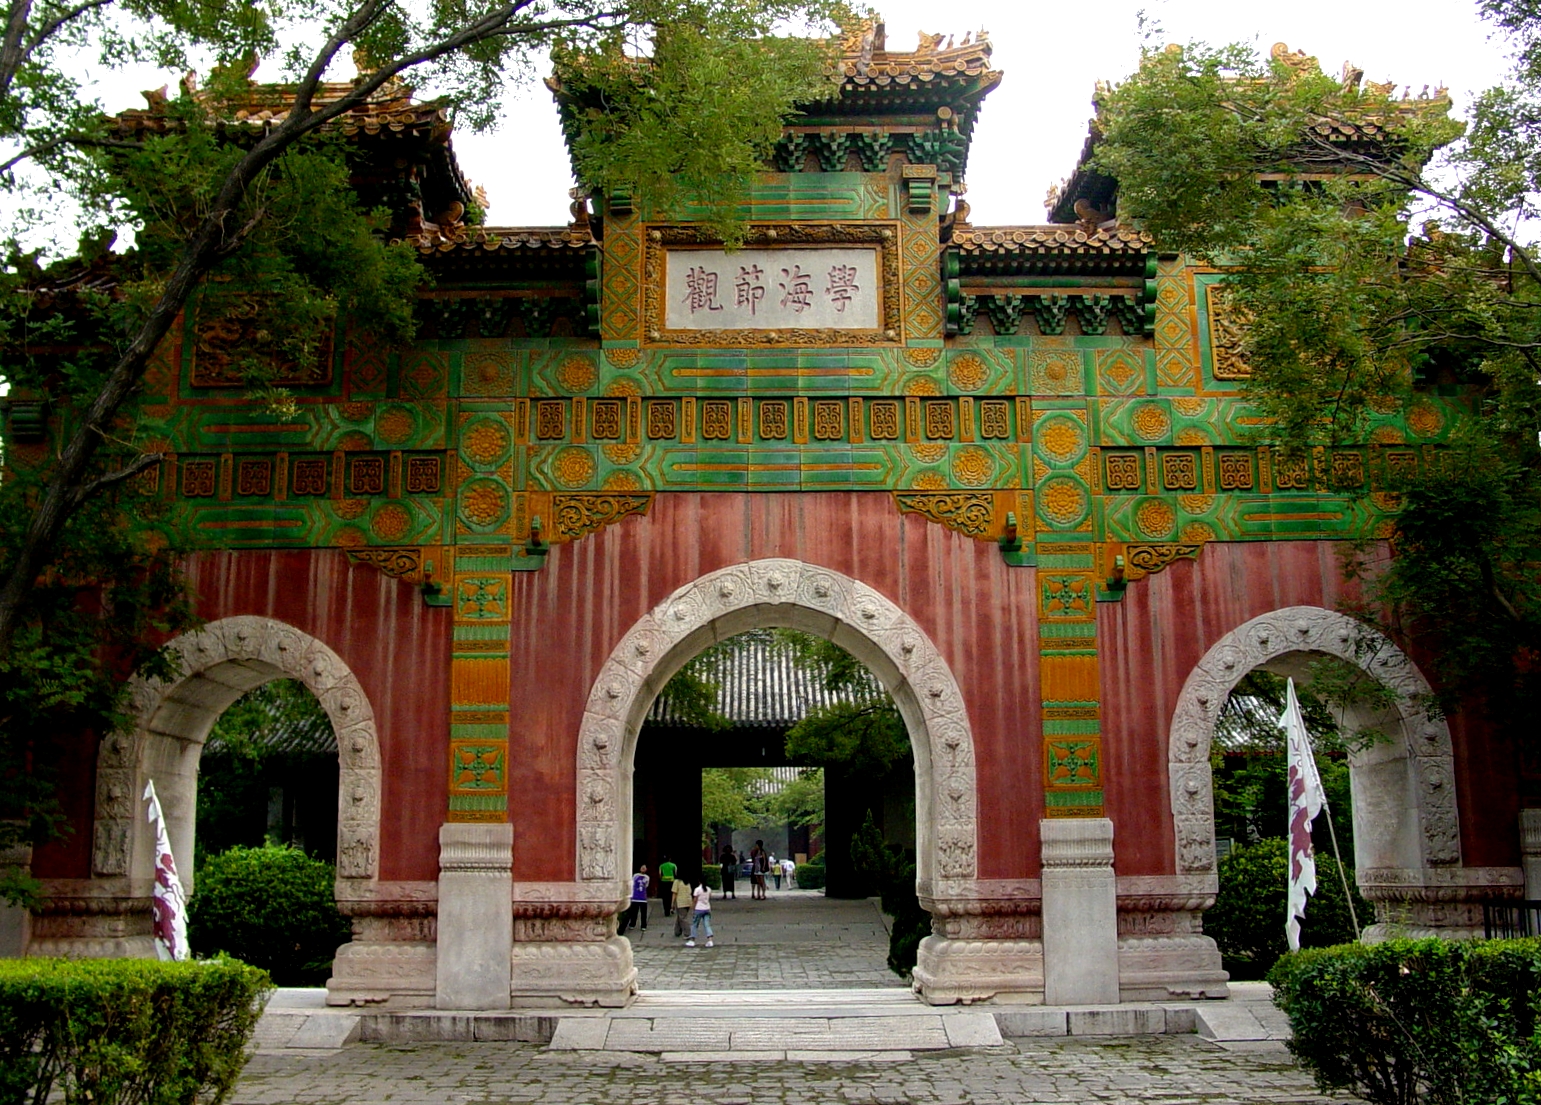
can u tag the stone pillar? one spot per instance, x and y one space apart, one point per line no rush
476 919
1530 852
15 921
1080 912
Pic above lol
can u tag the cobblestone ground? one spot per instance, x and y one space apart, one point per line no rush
1167 1070
798 940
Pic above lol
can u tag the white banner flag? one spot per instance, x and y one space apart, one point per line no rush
169 904
1306 801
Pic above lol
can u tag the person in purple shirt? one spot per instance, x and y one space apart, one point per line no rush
638 908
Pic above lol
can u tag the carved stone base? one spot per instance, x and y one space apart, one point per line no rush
393 975
948 972
93 919
548 974
1438 901
1160 968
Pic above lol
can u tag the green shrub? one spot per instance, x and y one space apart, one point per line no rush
1417 1020
810 875
272 907
112 1031
711 875
1247 919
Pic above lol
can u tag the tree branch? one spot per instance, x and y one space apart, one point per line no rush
209 243
57 23
127 472
68 140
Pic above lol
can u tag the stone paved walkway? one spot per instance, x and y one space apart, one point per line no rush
1166 1070
796 940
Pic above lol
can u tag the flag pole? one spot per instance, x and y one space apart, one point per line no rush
1348 895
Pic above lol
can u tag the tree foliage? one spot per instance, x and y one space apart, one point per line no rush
261 222
1393 273
860 730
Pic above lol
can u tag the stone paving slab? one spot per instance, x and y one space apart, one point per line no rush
1042 1071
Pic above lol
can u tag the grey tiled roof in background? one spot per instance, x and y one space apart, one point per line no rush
759 685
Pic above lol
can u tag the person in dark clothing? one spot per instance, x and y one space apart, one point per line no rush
637 910
729 869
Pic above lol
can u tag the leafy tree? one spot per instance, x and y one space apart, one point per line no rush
274 735
1251 770
219 204
801 802
732 798
860 730
1306 188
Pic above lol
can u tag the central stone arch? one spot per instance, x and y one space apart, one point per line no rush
1406 824
796 595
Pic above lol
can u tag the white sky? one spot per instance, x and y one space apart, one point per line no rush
1033 125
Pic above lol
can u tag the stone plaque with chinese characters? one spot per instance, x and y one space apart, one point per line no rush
773 289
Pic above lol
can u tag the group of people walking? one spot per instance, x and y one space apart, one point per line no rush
681 898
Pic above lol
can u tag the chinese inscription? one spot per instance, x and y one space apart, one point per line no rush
773 289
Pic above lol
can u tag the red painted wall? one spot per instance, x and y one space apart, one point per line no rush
980 613
570 615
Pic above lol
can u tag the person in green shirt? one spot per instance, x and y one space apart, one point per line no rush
666 873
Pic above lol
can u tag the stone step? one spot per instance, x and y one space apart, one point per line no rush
712 1030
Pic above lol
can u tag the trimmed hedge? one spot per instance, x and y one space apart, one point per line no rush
272 907
120 1031
1417 1020
810 875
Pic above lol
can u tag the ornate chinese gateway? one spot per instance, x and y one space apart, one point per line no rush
1010 468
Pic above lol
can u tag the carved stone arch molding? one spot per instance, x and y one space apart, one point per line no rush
797 595
1404 789
172 719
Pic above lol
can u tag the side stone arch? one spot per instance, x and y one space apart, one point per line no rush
1406 821
172 719
792 594
1420 746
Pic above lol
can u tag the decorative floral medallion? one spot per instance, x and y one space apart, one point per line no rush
1197 532
928 452
622 454
923 385
577 374
622 481
1062 501
485 441
1151 422
1156 518
483 503
394 425
972 466
351 508
1062 440
968 372
930 481
1424 419
391 522
622 358
573 467
922 358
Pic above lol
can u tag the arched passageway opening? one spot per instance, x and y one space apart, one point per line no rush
172 720
775 768
1406 827
770 594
